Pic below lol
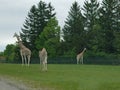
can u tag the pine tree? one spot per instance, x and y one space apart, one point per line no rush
117 28
35 22
29 26
90 14
108 22
117 16
73 30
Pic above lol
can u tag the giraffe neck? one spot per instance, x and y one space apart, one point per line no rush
18 39
83 51
21 45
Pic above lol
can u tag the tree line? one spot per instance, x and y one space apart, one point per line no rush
95 26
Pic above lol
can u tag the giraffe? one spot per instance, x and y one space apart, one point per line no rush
24 51
80 57
43 59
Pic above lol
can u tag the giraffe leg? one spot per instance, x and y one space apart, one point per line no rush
22 60
82 60
45 66
46 63
28 60
25 60
77 60
40 64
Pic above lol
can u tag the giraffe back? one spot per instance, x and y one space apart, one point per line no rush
26 52
43 54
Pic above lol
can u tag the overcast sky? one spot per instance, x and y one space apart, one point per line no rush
14 12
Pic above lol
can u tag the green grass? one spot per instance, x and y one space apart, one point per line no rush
65 76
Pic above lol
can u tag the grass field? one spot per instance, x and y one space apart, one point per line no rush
65 76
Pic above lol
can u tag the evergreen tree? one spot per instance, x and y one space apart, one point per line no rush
35 22
108 23
73 30
91 25
117 27
117 16
29 27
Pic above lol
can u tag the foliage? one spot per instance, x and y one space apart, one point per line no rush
10 52
1 53
70 53
117 42
50 37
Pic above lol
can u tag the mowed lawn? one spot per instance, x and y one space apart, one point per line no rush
65 76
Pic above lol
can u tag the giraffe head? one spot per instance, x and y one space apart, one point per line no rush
84 49
17 36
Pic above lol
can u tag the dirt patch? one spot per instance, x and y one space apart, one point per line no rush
7 84
11 84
